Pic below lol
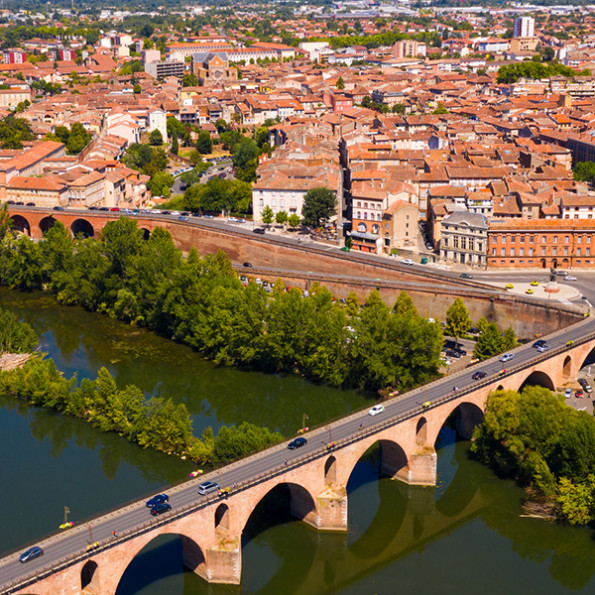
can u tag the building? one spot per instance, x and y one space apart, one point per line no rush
150 56
13 96
464 238
48 191
211 68
14 57
399 225
408 48
161 70
524 27
542 243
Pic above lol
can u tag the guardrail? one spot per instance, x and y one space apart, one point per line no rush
150 525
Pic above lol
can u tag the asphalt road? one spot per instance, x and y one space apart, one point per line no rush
136 516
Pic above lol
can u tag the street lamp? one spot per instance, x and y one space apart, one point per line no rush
304 418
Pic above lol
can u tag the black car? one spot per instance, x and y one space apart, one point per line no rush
453 354
30 204
539 343
460 351
160 508
19 202
104 208
479 375
585 384
159 499
258 230
58 208
248 264
31 554
466 276
92 208
300 441
196 214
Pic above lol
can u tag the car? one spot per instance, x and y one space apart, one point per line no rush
182 218
114 209
507 357
585 384
196 214
466 276
453 354
569 278
165 213
539 343
159 499
258 230
19 202
185 213
376 410
207 487
248 265
208 216
175 213
561 272
300 441
58 208
31 554
543 348
568 393
479 375
579 393
104 208
232 220
30 204
429 247
160 508
406 261
460 351
243 278
10 202
92 208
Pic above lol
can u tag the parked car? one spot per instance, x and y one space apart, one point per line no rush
539 343
579 393
89 208
300 441
569 278
479 375
175 213
104 208
160 508
568 393
258 230
507 357
31 204
159 499
115 209
31 554
406 261
466 276
58 208
207 487
376 410
585 384
248 264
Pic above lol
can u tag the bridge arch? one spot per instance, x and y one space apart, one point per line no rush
538 378
148 563
421 432
47 223
20 224
146 233
464 417
222 519
82 226
90 576
330 470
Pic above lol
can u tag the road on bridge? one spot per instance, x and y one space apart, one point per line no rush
74 542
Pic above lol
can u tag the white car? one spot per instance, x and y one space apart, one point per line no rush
568 393
406 261
569 278
507 357
175 213
376 410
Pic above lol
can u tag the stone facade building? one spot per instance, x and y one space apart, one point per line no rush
464 238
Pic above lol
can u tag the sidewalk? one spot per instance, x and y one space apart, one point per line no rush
565 294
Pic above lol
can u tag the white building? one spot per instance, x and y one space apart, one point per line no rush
524 27
157 120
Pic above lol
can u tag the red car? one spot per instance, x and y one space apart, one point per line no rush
116 209
578 394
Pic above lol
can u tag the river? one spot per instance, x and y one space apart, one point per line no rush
466 535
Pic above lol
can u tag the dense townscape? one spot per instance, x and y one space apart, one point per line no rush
462 135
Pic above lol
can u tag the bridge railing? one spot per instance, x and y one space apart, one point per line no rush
151 524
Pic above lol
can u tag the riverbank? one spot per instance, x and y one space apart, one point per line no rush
10 361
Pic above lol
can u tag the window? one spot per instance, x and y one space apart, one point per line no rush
579 239
565 250
566 239
361 227
578 251
588 239
365 215
543 239
555 239
274 202
521 252
588 252
282 203
555 252
261 202
375 228
493 251
512 251
543 252
522 239
531 239
502 251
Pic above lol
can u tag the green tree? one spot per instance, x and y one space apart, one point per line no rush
577 501
204 143
156 138
340 83
319 206
404 305
509 339
175 145
457 319
15 336
440 110
281 217
267 215
584 171
398 108
189 80
294 220
489 342
481 325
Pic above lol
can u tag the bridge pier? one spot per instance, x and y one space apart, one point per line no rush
224 562
332 510
422 468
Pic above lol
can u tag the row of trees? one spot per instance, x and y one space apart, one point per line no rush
536 438
201 302
511 73
15 336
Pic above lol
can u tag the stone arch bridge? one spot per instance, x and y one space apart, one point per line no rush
211 527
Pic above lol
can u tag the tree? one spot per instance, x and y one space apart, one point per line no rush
509 339
440 110
204 143
489 342
404 305
584 171
137 89
577 501
78 139
281 217
156 138
189 80
319 206
146 30
457 319
267 215
294 220
340 83
398 108
175 145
